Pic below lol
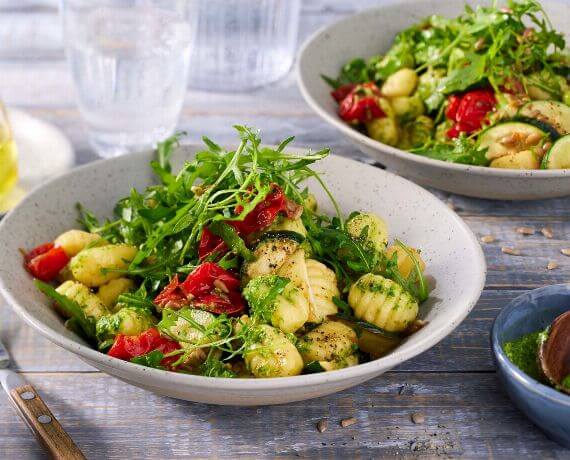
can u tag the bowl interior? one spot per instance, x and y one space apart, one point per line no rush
412 213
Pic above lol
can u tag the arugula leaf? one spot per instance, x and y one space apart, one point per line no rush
213 367
470 72
151 359
461 150
71 308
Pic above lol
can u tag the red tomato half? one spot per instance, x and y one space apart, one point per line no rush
361 104
46 266
342 91
127 347
203 279
469 111
264 214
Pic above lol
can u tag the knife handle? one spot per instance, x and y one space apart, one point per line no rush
44 425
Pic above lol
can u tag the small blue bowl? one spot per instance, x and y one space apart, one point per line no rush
547 408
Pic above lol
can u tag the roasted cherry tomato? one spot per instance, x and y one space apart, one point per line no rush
46 265
230 304
209 287
128 347
264 214
171 296
342 91
38 250
205 278
452 106
210 244
469 111
361 104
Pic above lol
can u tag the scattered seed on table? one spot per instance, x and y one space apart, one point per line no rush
510 251
347 422
525 230
322 425
547 232
566 252
487 239
552 265
418 418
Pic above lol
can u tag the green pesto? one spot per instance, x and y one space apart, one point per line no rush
523 352
566 382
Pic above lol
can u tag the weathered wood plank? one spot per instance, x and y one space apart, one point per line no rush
465 414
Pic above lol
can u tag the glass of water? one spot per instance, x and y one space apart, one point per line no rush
129 62
243 44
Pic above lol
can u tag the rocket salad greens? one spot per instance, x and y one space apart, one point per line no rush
227 268
489 88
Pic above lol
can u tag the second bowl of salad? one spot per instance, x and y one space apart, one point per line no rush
469 98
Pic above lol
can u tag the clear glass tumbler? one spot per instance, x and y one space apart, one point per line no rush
243 44
129 62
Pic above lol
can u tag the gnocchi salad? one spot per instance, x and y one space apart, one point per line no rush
488 88
227 268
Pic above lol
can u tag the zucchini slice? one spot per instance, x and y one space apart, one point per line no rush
271 253
282 235
520 160
558 157
553 113
509 138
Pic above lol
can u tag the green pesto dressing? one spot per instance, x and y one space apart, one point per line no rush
523 352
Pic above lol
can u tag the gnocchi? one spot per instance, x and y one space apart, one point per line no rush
110 292
74 241
89 302
331 343
89 266
274 355
369 229
382 302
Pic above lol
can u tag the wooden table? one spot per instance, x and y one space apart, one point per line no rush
453 385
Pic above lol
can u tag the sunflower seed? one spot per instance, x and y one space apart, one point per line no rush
547 232
551 265
347 422
510 251
418 418
525 230
565 251
221 286
487 239
322 425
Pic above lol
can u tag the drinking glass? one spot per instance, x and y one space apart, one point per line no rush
129 62
243 44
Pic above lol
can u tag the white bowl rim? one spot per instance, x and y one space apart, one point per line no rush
402 154
395 358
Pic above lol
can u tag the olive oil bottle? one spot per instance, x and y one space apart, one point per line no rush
8 161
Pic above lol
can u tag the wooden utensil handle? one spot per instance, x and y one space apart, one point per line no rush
44 425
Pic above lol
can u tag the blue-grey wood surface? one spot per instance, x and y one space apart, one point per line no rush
453 384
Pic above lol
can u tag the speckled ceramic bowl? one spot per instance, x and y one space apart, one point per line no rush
372 32
453 255
547 408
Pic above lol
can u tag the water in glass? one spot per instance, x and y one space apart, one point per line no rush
129 62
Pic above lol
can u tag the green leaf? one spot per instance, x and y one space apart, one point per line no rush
71 308
231 238
470 73
151 359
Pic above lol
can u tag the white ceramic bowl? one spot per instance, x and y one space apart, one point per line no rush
372 32
453 255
